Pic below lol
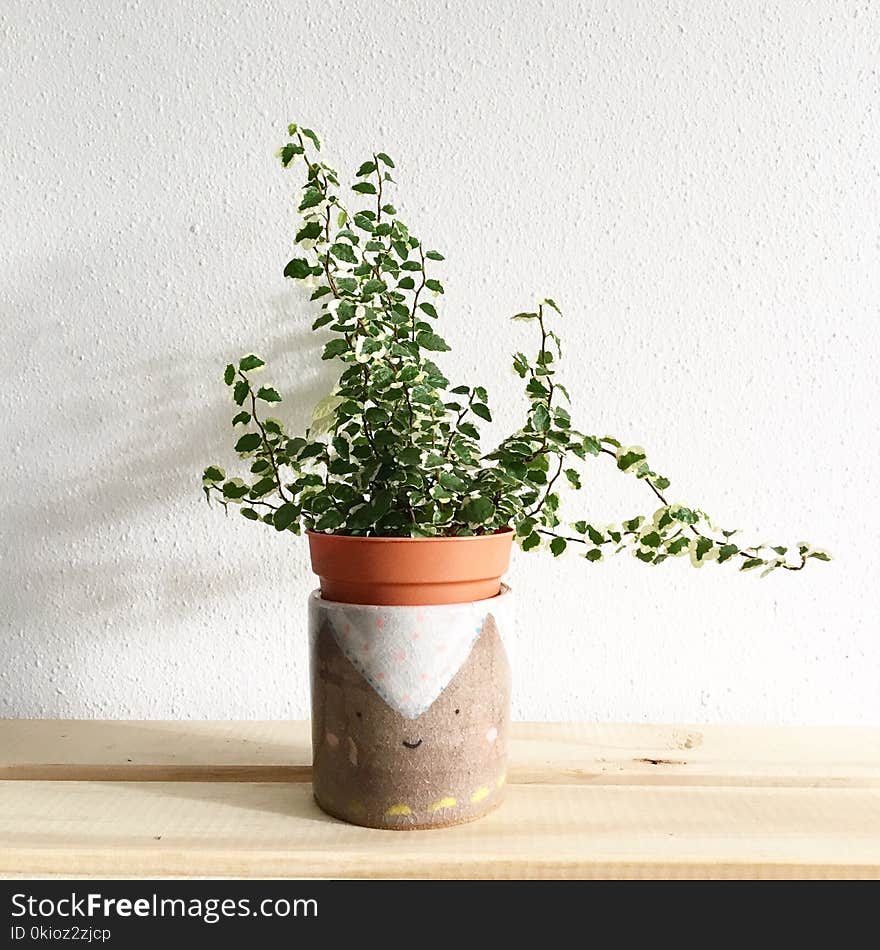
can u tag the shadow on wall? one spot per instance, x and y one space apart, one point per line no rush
97 524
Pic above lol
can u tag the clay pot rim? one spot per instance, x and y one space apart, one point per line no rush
319 598
378 538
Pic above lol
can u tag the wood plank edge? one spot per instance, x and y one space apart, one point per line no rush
156 773
670 776
21 862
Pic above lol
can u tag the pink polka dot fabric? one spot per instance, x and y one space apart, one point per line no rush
409 655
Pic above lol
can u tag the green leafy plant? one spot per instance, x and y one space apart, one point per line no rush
395 449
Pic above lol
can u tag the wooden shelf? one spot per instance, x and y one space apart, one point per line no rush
233 799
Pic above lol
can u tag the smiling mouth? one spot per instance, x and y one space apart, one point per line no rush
412 745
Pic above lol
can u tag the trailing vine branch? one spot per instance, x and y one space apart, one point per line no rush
255 416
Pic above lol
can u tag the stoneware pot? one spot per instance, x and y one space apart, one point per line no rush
410 700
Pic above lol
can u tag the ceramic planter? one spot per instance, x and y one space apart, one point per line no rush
410 700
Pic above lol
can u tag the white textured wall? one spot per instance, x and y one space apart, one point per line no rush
696 183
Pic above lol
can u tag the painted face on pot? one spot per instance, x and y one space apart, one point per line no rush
375 762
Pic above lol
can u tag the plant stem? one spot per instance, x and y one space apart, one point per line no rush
419 289
461 416
379 189
250 501
266 442
539 505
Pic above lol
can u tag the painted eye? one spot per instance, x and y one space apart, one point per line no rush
360 715
457 711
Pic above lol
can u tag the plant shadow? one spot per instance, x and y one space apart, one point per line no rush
108 523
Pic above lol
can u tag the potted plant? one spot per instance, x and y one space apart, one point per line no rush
410 521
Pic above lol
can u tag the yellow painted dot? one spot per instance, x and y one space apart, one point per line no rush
502 778
480 794
356 807
442 803
396 810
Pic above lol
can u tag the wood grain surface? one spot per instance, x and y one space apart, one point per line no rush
233 799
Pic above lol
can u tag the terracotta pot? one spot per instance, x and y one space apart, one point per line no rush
410 570
410 709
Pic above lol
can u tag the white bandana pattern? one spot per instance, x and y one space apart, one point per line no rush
409 655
